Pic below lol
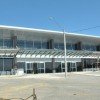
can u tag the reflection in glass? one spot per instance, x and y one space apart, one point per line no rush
21 43
29 44
7 43
44 45
37 44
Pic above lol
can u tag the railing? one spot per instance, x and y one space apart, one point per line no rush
33 96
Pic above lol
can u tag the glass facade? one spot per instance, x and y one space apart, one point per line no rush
40 67
70 46
1 64
6 43
6 64
21 43
29 44
44 45
37 44
1 43
48 66
32 44
59 46
56 45
25 42
21 65
89 47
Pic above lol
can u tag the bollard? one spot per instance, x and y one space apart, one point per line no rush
34 95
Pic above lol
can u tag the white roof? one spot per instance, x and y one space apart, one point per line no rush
46 31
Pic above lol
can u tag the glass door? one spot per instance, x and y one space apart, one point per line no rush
62 67
73 66
40 68
29 68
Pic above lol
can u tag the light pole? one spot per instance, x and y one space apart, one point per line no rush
64 37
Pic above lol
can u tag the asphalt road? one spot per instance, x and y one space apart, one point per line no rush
74 87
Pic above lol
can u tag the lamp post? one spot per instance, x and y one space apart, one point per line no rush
64 38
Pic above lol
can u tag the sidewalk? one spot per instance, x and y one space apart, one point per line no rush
91 73
51 75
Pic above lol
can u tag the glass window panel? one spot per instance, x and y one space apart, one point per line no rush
8 63
37 44
28 66
29 44
21 43
69 46
21 65
1 42
83 47
44 45
63 65
93 48
87 47
41 65
7 43
56 45
1 64
73 46
61 46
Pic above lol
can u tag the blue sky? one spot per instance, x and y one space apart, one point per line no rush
71 14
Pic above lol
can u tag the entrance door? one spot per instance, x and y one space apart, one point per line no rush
62 67
40 68
73 66
29 68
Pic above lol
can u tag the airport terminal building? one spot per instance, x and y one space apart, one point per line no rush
42 51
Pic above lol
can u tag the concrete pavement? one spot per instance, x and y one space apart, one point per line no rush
52 86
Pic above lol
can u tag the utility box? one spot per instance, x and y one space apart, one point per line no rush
20 72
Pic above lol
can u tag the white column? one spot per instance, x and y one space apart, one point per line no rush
76 66
65 53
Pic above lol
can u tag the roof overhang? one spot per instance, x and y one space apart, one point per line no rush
47 53
50 53
74 36
8 52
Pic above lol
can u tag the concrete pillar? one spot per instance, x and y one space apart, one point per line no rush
50 44
98 48
14 44
14 67
14 41
78 46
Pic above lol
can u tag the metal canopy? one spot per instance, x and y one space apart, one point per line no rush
8 52
49 52
58 53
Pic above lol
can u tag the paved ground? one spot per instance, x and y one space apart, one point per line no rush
77 86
